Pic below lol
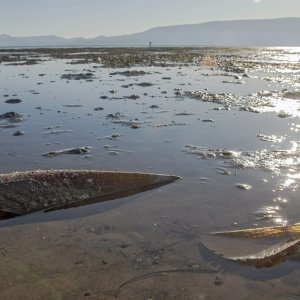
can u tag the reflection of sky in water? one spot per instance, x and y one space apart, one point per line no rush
274 160
291 181
291 54
285 108
278 54
295 127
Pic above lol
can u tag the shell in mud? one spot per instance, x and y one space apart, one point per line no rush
25 192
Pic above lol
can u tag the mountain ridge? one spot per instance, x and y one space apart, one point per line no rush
260 32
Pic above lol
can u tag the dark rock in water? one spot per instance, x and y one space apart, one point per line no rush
133 97
116 115
208 120
153 106
72 105
78 150
135 126
11 116
184 113
99 108
18 133
130 73
103 97
80 76
13 101
144 84
25 192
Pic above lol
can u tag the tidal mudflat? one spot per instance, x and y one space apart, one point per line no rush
225 120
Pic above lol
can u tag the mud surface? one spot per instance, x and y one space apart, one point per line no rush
226 120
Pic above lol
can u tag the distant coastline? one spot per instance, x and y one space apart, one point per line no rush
20 48
282 32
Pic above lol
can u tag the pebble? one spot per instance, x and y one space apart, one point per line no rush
18 133
13 101
135 126
243 186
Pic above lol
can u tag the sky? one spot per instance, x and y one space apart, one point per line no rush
91 18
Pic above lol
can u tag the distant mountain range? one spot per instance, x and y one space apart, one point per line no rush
266 32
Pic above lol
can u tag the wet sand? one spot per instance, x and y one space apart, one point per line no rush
215 117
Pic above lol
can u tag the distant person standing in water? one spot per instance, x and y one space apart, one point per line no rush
150 44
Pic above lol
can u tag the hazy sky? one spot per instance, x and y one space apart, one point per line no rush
90 18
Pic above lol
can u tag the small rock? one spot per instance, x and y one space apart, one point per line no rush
144 84
243 186
99 108
13 101
133 97
218 281
115 135
18 133
284 114
11 115
208 120
135 126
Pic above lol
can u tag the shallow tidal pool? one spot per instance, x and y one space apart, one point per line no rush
225 120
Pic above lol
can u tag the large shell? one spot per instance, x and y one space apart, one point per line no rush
25 192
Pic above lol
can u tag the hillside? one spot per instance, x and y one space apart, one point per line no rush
268 32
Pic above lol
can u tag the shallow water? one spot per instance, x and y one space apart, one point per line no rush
92 250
